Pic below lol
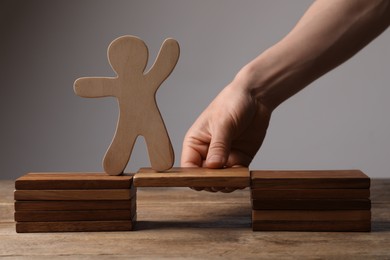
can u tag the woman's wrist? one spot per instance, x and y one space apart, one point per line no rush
265 79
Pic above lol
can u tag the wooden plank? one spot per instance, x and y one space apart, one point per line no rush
74 226
135 90
73 205
193 177
315 226
212 224
311 194
314 204
330 179
123 194
73 181
85 215
311 215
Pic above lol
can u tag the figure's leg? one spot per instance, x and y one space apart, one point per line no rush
118 154
159 145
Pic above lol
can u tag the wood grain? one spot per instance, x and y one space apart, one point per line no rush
30 195
73 205
313 226
311 215
331 179
72 180
58 216
74 226
310 194
314 204
135 91
179 223
193 177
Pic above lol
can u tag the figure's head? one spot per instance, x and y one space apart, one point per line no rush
128 52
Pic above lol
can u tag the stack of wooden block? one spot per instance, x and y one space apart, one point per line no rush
61 202
310 201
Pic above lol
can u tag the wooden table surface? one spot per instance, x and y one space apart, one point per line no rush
182 223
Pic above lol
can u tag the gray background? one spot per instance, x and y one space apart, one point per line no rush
340 121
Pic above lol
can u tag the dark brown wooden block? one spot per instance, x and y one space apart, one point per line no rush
310 194
73 181
332 179
316 226
193 177
314 204
311 215
86 215
74 205
118 194
74 226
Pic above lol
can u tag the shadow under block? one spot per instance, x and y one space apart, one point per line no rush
73 202
193 177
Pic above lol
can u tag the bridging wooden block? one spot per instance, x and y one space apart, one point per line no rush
193 177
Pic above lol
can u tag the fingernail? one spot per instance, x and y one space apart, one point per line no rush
215 161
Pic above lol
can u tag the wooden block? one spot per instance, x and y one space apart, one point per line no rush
193 177
310 194
314 204
73 181
58 216
74 205
332 179
316 226
123 194
74 226
311 215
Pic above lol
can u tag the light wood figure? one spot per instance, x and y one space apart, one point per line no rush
135 92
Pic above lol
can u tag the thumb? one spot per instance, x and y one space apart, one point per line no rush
219 150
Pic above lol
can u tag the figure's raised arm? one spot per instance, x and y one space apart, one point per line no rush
165 62
94 87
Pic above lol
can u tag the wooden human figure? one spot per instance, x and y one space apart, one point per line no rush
135 91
